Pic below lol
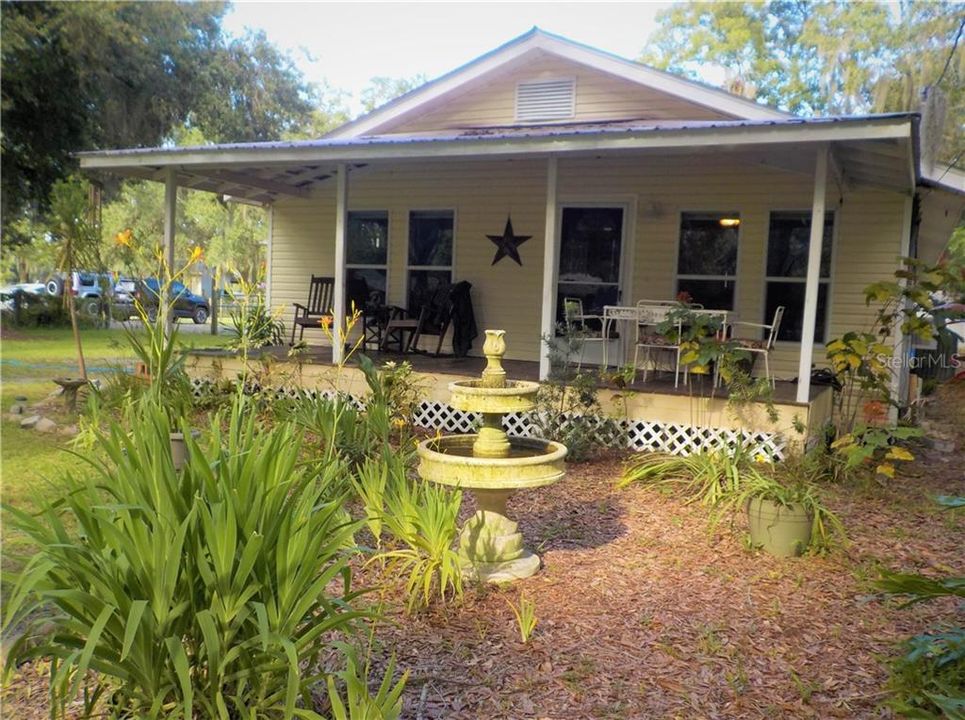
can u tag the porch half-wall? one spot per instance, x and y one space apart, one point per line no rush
656 189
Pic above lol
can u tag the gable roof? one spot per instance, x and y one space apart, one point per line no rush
536 40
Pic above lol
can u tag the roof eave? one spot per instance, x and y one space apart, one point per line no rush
355 151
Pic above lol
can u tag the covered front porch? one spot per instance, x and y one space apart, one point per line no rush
427 204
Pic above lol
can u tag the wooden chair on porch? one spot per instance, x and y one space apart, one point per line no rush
435 317
321 299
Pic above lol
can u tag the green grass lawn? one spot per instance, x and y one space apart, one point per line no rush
32 464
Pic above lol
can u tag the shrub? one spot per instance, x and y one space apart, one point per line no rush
342 430
254 322
424 519
205 593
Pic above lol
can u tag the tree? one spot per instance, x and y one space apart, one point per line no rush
76 229
93 75
821 58
259 95
381 90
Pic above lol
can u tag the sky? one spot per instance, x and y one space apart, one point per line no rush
347 44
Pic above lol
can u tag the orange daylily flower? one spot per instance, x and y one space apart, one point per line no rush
125 238
325 321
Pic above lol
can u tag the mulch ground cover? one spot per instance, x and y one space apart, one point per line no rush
643 614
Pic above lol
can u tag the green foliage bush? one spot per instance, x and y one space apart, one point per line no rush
424 518
254 323
725 481
205 593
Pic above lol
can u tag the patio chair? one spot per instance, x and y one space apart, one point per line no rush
765 345
576 322
399 328
648 339
319 304
404 328
435 317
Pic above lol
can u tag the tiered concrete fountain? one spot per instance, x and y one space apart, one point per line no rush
493 465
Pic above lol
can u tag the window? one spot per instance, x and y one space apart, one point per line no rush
787 263
366 258
430 255
707 258
591 240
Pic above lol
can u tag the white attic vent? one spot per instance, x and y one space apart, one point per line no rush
545 100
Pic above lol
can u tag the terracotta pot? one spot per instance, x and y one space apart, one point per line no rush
782 530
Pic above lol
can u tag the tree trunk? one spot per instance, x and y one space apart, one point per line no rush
72 309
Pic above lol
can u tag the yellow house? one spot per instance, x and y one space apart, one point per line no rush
621 183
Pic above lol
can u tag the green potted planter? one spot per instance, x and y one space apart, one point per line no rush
786 513
781 530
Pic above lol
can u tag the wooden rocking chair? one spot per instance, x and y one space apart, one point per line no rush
321 296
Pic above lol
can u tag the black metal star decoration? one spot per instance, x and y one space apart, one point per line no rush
508 243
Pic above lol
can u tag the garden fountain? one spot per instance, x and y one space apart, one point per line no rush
493 465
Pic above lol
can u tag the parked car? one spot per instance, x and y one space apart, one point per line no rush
186 303
124 290
89 288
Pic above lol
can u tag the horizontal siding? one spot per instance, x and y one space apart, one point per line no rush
508 296
505 295
599 97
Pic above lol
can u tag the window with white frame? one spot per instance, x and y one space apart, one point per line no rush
788 240
431 235
707 258
366 259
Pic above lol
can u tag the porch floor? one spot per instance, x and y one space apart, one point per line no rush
661 383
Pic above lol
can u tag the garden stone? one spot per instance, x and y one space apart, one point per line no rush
45 425
30 422
69 430
17 409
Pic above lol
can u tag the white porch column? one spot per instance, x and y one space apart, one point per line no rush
551 253
341 225
813 275
170 218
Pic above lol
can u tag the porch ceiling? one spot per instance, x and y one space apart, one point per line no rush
257 184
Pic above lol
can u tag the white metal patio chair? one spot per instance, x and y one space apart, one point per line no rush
648 339
765 345
576 322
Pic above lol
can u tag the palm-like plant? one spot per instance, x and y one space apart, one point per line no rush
205 593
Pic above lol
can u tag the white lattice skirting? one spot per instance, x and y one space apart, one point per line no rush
639 435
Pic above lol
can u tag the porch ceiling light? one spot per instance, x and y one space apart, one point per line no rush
729 222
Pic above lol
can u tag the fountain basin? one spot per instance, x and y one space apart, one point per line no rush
474 396
531 463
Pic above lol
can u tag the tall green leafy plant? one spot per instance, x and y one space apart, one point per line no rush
725 482
424 519
909 304
205 593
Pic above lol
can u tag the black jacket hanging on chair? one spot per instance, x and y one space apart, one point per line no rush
463 320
